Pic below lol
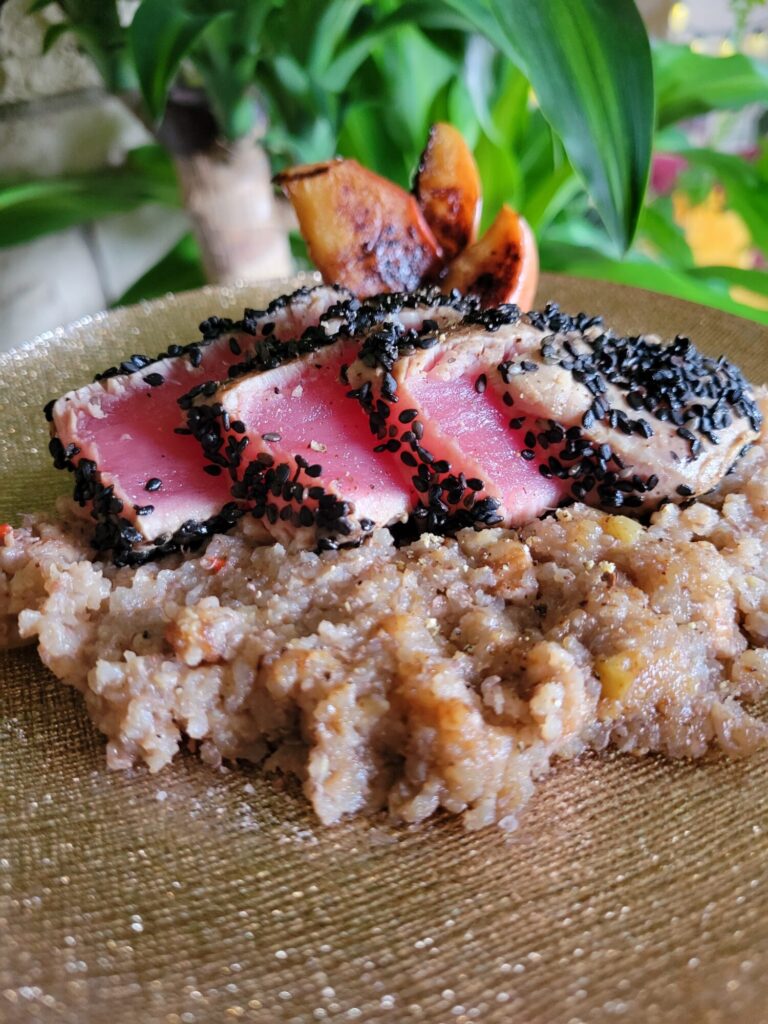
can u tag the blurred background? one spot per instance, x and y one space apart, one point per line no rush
111 195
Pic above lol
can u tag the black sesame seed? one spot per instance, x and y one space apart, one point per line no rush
212 470
684 490
234 347
408 415
154 379
153 484
272 436
314 471
528 454
481 384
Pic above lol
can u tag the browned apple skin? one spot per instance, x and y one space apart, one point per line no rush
502 266
448 189
362 231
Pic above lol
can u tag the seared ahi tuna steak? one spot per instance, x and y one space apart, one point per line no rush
138 472
507 415
480 417
295 447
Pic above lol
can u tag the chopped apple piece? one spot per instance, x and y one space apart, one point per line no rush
448 189
362 231
502 266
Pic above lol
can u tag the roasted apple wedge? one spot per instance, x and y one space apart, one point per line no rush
502 266
362 231
448 190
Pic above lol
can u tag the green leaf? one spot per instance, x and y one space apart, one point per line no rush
590 66
754 280
180 269
53 33
657 226
550 197
31 209
361 137
689 84
501 176
414 70
291 75
161 34
330 29
746 186
580 262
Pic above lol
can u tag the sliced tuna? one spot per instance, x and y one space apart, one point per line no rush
616 422
458 448
295 448
138 472
298 450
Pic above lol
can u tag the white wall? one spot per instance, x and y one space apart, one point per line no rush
54 119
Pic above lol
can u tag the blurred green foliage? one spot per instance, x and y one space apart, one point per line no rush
560 132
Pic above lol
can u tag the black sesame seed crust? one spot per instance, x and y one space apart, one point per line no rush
664 382
210 330
116 535
447 500
254 484
676 382
114 532
669 383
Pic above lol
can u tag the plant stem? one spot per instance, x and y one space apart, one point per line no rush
227 192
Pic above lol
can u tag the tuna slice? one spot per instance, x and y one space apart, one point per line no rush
138 473
296 448
458 447
616 422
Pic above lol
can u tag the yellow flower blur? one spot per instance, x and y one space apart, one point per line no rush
717 237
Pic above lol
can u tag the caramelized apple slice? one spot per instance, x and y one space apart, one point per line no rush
502 266
448 189
362 231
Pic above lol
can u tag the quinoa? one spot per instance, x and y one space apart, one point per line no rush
447 673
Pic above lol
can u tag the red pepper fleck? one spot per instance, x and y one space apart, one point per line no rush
215 563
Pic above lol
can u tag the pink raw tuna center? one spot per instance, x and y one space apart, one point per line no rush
139 425
477 426
313 406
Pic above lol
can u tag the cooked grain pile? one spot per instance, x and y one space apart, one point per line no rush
444 674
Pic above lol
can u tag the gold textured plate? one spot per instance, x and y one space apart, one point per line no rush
634 890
